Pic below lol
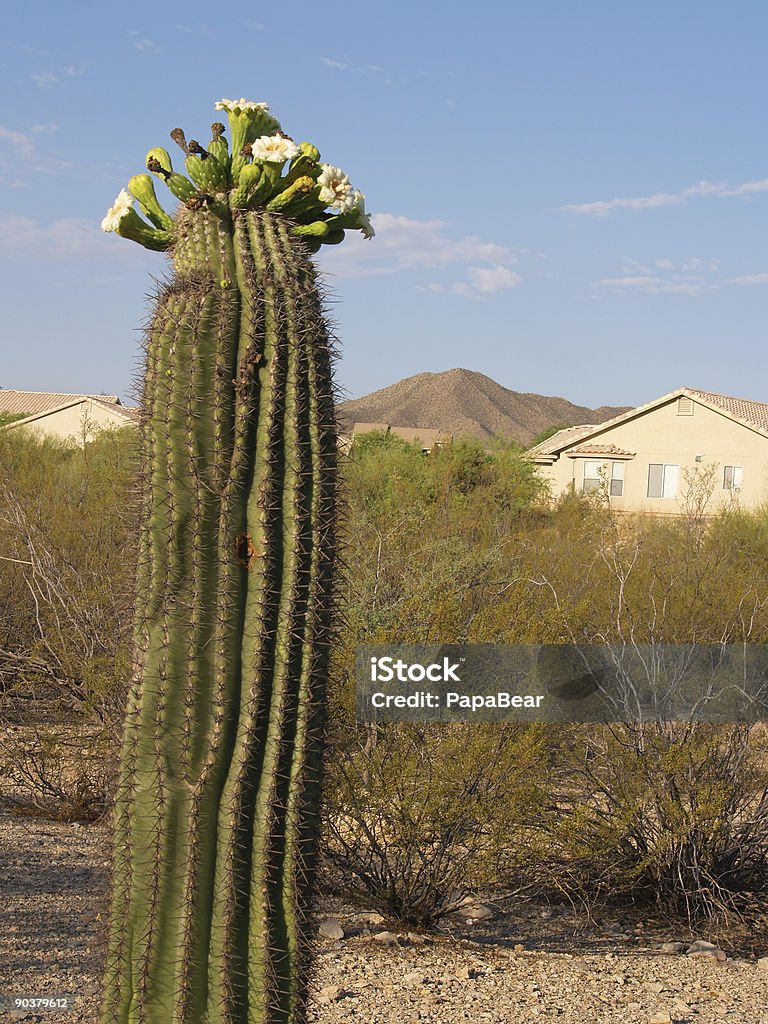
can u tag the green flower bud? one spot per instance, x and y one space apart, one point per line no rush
311 152
252 189
141 187
162 158
318 229
282 202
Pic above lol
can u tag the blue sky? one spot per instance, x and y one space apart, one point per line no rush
570 198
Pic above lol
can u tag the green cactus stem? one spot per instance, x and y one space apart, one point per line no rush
216 816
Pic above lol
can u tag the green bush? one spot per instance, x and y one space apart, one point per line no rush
67 551
417 816
675 814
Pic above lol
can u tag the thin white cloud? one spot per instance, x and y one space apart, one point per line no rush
656 285
340 65
493 279
202 29
603 207
45 79
19 157
22 144
68 236
142 43
692 276
52 79
749 188
749 279
405 244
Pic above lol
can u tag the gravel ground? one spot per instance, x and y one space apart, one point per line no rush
536 965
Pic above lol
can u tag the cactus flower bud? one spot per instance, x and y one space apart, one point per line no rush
141 187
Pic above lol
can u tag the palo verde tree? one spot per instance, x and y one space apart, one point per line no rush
217 802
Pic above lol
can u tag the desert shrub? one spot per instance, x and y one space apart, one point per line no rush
67 555
675 814
60 774
66 592
584 575
417 816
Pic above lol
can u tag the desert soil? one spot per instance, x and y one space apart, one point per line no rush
526 963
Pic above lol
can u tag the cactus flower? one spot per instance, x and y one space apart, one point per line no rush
274 148
121 208
363 219
238 106
335 189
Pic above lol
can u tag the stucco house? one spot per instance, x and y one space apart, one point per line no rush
426 438
74 418
657 457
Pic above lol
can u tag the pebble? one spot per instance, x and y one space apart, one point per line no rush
331 929
703 948
414 978
468 973
672 947
371 917
477 912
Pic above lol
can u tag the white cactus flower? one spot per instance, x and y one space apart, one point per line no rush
275 148
121 208
238 106
363 220
335 189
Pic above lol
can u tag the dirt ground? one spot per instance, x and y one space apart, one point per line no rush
529 962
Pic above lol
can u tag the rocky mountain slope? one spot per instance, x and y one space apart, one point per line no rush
463 402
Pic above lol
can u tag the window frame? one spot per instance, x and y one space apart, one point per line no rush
733 478
597 479
663 480
614 479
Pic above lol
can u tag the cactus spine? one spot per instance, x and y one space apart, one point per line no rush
216 810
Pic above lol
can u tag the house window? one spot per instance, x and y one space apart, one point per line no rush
733 477
662 480
617 480
592 476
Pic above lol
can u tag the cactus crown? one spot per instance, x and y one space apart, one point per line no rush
262 168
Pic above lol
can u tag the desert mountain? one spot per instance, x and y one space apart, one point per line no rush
469 403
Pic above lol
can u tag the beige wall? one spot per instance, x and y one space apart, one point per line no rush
662 436
78 422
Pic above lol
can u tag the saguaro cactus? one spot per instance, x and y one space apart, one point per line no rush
216 811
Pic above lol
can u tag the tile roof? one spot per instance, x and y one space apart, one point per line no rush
33 402
741 408
600 449
561 439
427 436
368 428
